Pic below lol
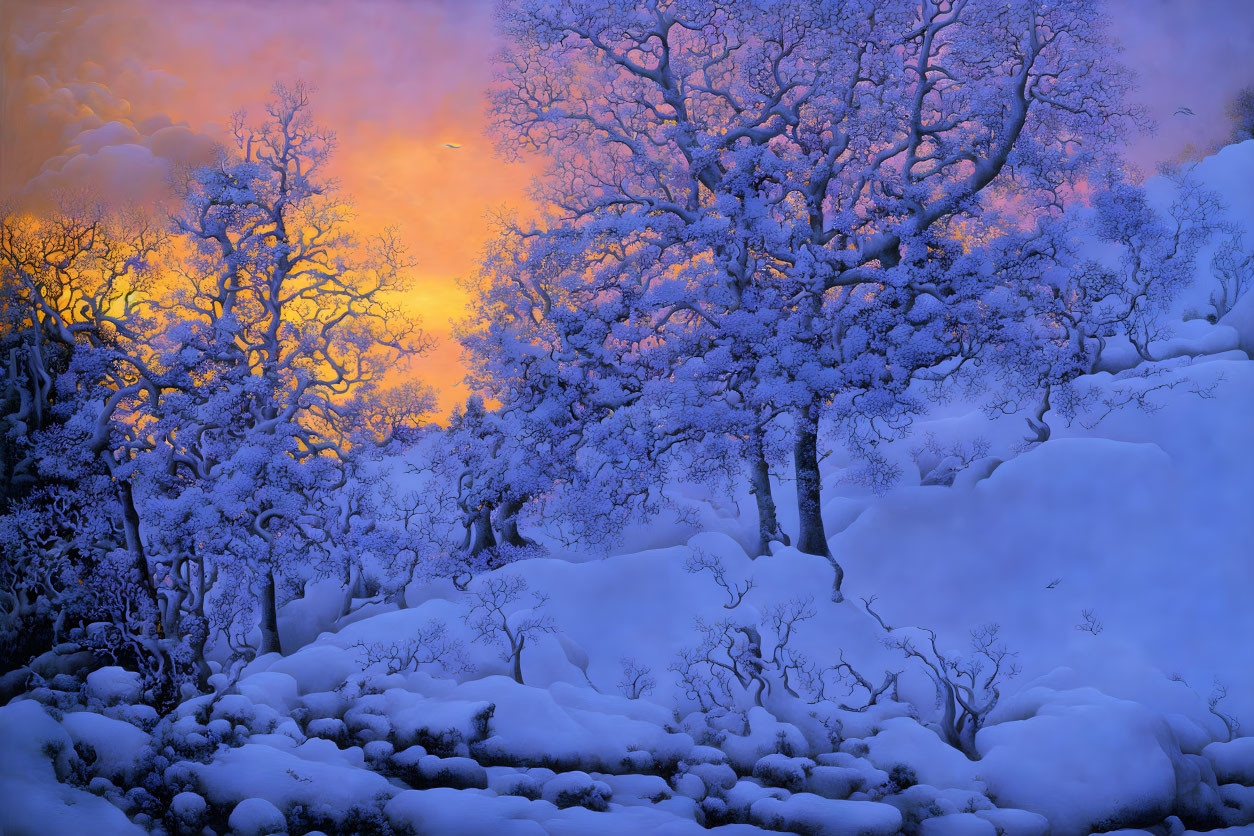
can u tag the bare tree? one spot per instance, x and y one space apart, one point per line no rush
1089 623
1217 695
702 561
818 680
967 688
432 646
734 667
637 679
496 617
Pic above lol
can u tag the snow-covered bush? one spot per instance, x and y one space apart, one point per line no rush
576 789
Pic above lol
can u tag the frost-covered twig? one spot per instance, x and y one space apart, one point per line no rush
433 645
1090 624
701 561
496 621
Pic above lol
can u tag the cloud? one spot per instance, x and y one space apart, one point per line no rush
88 114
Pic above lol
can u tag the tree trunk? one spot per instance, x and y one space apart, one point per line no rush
507 522
760 485
812 538
353 586
141 575
518 659
479 534
269 615
195 639
1036 422
162 694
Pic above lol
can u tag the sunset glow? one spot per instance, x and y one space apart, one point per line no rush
106 95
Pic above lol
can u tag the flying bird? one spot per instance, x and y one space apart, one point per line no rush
1183 111
452 145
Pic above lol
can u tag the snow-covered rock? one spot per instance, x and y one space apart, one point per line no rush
577 789
1084 760
806 813
121 750
903 742
256 817
316 775
112 685
834 781
1233 761
1016 822
459 773
188 810
782 771
959 824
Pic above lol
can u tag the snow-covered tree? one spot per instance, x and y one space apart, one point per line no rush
720 173
280 337
202 441
72 332
1072 304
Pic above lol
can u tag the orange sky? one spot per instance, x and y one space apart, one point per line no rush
108 93
394 80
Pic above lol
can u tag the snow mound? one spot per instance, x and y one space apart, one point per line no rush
1089 762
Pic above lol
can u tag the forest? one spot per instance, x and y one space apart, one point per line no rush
853 441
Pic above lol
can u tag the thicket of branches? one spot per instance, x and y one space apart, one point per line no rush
176 451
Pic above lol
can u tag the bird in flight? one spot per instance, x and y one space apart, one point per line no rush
1183 111
452 145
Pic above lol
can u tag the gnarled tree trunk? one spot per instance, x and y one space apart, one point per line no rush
760 485
479 534
269 615
507 522
812 538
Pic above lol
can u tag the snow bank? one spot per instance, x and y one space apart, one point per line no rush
1087 762
1233 760
314 775
34 753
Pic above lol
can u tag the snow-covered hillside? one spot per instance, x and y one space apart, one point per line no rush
1142 523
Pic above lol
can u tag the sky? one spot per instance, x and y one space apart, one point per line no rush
107 95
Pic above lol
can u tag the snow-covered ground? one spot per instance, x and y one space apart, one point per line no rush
1142 522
